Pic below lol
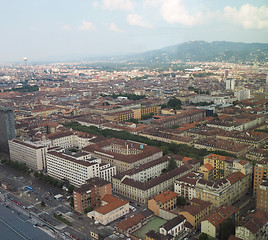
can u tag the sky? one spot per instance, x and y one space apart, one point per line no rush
51 29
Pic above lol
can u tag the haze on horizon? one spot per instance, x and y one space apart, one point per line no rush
47 29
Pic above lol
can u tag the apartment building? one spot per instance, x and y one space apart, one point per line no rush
91 194
196 212
253 226
257 154
208 171
213 144
31 153
166 200
124 154
225 190
112 208
70 139
76 167
224 166
260 173
143 191
185 185
184 117
262 196
211 224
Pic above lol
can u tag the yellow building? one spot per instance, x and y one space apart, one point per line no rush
225 190
223 166
196 212
212 223
208 171
166 200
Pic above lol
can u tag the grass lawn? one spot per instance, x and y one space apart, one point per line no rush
153 224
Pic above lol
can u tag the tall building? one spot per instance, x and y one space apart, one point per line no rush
260 173
266 85
91 194
242 94
31 153
7 128
230 84
262 196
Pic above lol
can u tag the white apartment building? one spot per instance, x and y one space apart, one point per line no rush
77 167
107 171
70 139
185 185
30 153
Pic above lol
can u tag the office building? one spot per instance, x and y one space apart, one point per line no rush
31 153
91 194
262 196
7 128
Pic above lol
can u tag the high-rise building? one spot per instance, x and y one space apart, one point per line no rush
230 84
260 173
262 196
266 85
7 128
242 94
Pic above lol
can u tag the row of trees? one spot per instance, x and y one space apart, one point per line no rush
38 175
24 88
173 103
181 149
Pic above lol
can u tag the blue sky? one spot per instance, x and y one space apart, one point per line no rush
40 29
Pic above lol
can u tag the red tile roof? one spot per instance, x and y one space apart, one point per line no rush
165 196
112 204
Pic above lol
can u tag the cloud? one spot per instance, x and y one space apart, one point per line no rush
174 11
137 20
86 26
124 5
95 4
66 28
113 27
250 17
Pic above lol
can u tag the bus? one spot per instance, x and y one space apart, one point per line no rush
29 188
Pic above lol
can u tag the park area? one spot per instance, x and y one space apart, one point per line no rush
153 224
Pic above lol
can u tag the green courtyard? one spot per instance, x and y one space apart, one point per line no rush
153 224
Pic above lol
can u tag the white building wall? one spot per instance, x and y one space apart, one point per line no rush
34 156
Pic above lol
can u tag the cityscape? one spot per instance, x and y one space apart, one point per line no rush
112 141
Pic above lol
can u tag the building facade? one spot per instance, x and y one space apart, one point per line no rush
76 167
166 200
112 208
262 196
124 154
30 153
7 128
91 194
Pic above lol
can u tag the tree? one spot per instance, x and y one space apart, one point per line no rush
88 209
43 204
172 164
70 188
181 201
72 202
174 103
227 228
203 236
